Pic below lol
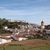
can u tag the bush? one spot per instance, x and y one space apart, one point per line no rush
4 31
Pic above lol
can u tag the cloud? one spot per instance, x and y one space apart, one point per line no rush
30 9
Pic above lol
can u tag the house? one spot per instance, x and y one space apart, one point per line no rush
19 37
5 27
4 41
5 36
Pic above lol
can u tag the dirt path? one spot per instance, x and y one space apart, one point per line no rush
34 42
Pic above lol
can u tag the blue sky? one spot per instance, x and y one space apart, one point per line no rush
29 10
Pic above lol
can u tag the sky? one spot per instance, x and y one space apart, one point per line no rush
32 11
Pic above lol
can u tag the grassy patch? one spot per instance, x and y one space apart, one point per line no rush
16 47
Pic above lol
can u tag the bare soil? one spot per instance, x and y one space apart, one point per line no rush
33 42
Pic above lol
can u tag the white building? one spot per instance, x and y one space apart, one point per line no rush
42 26
4 41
